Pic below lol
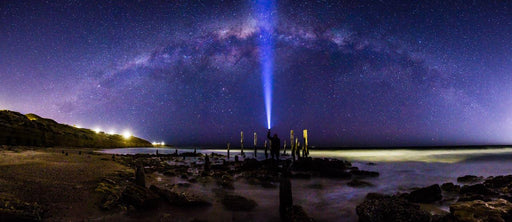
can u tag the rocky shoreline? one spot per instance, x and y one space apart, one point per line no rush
124 193
478 199
193 185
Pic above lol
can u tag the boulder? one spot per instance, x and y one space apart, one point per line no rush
180 199
140 197
12 209
476 189
469 179
227 182
384 208
480 211
364 173
296 214
450 187
251 164
498 182
234 202
471 197
426 195
359 183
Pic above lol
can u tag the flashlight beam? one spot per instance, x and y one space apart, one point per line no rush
266 11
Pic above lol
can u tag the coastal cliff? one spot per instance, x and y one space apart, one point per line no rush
32 130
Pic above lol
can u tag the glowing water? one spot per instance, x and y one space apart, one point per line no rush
265 10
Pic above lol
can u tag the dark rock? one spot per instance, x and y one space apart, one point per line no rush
371 164
471 197
359 183
443 218
170 173
301 175
384 209
296 214
180 199
251 164
426 195
315 186
498 182
364 173
268 184
476 189
227 182
496 210
376 196
140 197
469 179
12 209
330 168
237 203
450 187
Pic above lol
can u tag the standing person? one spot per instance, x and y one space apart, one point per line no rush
275 144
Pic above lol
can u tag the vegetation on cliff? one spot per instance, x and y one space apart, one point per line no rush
32 130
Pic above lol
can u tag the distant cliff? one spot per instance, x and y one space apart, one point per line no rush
32 130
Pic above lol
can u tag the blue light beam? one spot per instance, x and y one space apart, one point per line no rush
265 12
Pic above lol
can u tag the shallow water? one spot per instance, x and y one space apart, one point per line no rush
400 171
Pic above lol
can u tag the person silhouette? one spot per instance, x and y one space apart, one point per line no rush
275 144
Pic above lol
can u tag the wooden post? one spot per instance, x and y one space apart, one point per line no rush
285 195
284 148
140 177
297 150
305 150
228 149
255 141
266 150
206 163
242 143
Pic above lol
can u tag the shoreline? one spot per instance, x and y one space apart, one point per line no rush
93 186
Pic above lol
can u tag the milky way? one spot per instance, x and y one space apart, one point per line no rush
373 73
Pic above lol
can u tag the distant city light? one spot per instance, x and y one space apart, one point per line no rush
97 130
112 132
127 134
78 126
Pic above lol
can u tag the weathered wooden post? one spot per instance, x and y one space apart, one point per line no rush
140 177
285 194
206 163
228 149
297 147
305 151
242 143
255 141
266 150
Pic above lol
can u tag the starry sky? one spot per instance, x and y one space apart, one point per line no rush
354 73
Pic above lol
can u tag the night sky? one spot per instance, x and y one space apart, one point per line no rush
354 73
